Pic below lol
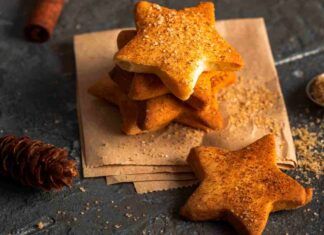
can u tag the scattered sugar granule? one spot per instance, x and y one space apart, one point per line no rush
82 189
309 146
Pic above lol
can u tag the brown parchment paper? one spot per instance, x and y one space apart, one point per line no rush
250 37
116 179
104 170
104 144
154 186
113 170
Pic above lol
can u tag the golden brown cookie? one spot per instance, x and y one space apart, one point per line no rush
124 37
241 187
222 80
141 86
130 110
122 78
138 86
158 111
177 46
105 89
192 122
162 110
146 86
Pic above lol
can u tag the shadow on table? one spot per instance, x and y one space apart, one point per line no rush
65 52
24 10
7 185
298 103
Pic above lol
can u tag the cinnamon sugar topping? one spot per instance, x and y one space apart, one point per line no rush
186 38
249 102
310 146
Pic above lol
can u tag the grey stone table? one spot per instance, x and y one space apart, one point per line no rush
37 97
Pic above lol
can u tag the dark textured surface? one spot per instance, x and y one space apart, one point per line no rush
37 97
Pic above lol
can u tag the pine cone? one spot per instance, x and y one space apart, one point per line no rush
36 164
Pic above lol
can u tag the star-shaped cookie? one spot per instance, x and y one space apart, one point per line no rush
241 187
143 86
164 109
130 110
107 90
177 46
139 86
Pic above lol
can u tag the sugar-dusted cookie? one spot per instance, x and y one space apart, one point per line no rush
124 37
140 86
241 187
158 111
222 80
130 110
161 110
177 46
105 89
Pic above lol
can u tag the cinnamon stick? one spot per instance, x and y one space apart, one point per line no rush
42 22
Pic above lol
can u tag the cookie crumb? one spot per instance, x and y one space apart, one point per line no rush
117 226
82 189
40 225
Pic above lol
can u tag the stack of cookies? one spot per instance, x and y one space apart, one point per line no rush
157 80
170 69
